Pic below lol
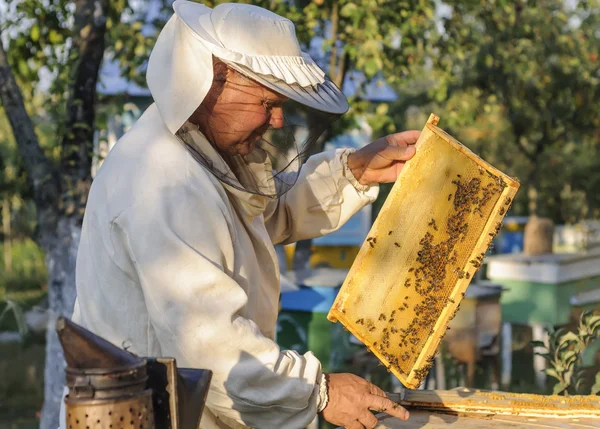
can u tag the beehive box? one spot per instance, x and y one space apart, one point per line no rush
428 241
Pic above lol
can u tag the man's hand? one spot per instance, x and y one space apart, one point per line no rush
382 160
351 398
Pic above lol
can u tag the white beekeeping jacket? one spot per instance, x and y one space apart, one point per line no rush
174 263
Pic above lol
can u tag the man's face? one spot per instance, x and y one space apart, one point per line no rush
241 114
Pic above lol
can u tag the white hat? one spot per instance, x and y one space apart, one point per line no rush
256 42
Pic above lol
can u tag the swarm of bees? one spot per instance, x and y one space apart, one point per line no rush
432 224
434 263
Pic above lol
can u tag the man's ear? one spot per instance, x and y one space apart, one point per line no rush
220 70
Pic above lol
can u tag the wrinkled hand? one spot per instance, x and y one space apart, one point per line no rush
382 160
351 398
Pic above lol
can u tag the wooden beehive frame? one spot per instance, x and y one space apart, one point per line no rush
468 401
363 269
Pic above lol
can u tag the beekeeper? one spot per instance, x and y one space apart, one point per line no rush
176 255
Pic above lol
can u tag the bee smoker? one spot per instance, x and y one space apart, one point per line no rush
110 388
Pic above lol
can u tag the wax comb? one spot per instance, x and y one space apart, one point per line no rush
421 253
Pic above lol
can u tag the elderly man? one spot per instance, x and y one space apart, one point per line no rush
177 252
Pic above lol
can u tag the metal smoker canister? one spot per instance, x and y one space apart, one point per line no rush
107 386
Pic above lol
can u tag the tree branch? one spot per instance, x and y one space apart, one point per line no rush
335 17
40 173
77 143
342 70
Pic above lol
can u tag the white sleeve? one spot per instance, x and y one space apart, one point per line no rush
325 196
178 243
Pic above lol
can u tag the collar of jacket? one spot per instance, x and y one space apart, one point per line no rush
251 205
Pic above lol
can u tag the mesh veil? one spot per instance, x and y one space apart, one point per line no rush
258 138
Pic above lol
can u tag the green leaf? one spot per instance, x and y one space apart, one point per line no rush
596 386
568 337
567 376
18 315
348 10
578 384
559 388
537 344
585 314
570 357
139 50
35 32
546 356
559 366
81 125
382 109
593 321
371 68
552 373
23 67
85 31
563 346
55 37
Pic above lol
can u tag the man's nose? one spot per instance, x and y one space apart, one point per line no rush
276 117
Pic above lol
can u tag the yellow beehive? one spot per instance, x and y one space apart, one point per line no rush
427 243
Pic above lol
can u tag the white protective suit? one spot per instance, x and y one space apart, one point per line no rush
175 263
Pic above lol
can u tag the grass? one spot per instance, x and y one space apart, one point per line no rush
26 300
22 364
21 384
20 423
22 368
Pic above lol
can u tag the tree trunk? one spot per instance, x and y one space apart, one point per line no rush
41 176
6 235
60 260
75 173
60 195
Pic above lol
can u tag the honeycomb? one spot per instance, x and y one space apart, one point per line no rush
421 253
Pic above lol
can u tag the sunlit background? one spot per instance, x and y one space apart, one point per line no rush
518 82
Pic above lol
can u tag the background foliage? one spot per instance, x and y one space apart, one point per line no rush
516 81
564 355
